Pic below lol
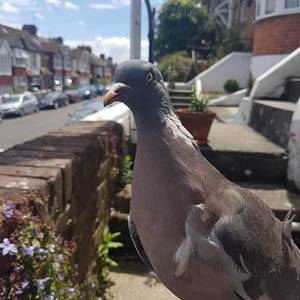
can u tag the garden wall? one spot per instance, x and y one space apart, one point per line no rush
68 175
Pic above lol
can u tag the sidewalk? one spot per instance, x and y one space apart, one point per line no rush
131 283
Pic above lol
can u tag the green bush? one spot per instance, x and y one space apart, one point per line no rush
231 86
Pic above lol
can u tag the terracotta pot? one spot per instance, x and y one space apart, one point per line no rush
197 123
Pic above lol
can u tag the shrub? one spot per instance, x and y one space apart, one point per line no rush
231 86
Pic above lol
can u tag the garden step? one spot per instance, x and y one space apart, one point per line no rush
292 90
272 119
277 197
242 154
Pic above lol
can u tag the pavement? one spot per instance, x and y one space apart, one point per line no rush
16 130
132 283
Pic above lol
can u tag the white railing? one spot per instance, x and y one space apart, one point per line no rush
271 84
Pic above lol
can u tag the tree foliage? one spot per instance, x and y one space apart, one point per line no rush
181 24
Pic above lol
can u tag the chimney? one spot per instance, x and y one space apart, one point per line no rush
58 39
102 56
86 48
32 29
109 59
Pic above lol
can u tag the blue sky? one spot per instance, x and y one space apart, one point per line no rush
102 24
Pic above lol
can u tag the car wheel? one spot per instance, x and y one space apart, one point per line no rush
22 112
55 105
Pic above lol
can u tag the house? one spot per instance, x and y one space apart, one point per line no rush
29 61
20 58
82 64
232 13
34 50
277 33
6 78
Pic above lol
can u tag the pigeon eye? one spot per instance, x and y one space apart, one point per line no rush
149 77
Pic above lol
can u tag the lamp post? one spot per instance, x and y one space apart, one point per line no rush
135 29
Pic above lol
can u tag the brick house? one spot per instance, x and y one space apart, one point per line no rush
277 32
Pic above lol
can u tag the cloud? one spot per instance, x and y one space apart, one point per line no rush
55 3
113 4
15 6
81 23
39 16
70 5
116 47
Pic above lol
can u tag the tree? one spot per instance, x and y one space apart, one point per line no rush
182 25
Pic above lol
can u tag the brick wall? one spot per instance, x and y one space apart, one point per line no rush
67 174
6 80
277 35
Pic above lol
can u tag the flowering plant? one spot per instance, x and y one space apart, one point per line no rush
39 263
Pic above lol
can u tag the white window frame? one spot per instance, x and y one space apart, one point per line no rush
280 9
5 65
20 81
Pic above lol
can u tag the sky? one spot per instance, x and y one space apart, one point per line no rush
102 24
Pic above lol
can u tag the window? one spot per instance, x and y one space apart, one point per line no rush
57 61
270 6
67 62
5 65
292 3
258 5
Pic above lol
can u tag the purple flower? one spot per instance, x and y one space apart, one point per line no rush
41 283
8 248
8 211
51 297
72 292
25 284
29 251
19 292
59 277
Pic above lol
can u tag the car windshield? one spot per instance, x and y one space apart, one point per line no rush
11 99
51 96
80 114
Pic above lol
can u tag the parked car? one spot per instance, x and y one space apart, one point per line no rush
100 89
87 91
54 100
19 104
86 109
74 96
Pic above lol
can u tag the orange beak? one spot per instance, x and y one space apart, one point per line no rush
115 92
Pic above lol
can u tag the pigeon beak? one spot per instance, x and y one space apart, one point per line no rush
115 92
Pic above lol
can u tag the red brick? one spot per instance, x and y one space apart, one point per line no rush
277 35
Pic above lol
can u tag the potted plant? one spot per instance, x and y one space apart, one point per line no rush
197 119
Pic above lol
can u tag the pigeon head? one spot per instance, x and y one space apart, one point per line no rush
139 85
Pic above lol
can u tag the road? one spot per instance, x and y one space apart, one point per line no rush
17 130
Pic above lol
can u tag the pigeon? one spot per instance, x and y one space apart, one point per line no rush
205 237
